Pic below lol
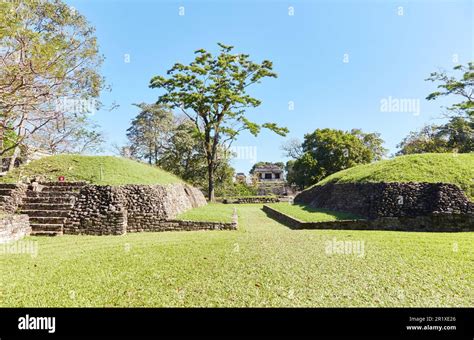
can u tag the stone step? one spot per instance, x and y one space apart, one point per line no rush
5 192
49 199
46 233
60 189
45 213
63 184
30 193
46 227
45 206
48 220
8 186
4 198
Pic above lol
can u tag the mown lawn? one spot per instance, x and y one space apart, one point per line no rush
212 212
261 264
307 213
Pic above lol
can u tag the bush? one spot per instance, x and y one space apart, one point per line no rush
237 190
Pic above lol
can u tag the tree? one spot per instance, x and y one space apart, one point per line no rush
422 141
49 54
451 86
150 132
212 92
68 134
327 151
292 148
159 137
373 142
185 158
457 135
302 172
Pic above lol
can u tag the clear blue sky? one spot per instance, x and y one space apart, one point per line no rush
390 55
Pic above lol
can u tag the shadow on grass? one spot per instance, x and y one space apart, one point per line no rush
338 215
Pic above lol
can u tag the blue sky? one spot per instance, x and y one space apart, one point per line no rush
388 54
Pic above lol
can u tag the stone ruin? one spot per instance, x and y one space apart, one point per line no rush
79 208
394 206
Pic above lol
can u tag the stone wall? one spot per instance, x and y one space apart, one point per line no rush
16 192
439 222
278 188
251 200
13 227
178 225
374 200
98 210
107 210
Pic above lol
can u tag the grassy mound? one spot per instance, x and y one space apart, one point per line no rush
432 167
102 170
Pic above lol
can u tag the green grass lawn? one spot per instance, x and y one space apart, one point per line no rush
212 212
306 213
447 168
115 170
261 264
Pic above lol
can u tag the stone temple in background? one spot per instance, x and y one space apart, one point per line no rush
270 179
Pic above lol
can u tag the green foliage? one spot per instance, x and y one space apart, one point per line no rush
433 168
457 135
115 171
461 87
150 132
326 151
373 142
10 138
237 190
306 213
183 155
74 134
423 141
173 143
212 92
49 53
303 171
262 264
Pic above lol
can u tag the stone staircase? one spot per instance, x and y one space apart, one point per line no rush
5 192
48 206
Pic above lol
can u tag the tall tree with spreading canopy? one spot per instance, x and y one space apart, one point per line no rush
212 92
48 54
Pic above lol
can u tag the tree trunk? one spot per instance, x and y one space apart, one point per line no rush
14 157
21 136
210 175
2 136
